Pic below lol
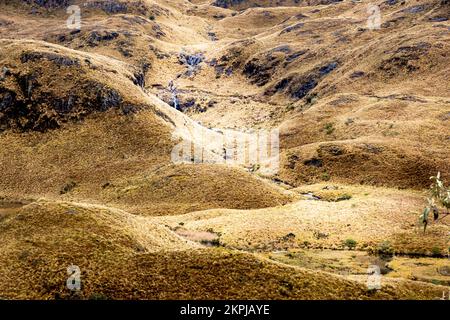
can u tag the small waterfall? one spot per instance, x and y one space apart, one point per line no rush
192 61
173 91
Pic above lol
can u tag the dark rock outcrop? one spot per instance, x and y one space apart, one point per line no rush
226 3
50 3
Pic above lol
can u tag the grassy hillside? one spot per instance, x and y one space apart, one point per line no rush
89 120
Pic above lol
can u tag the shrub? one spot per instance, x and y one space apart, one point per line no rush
311 99
255 167
385 248
289 236
328 128
210 243
344 196
98 296
439 196
290 107
350 243
436 251
325 176
68 187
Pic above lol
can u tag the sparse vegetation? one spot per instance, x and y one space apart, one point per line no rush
436 251
385 248
325 176
69 186
329 128
87 134
350 243
213 243
439 198
288 237
98 296
255 167
343 197
311 99
290 107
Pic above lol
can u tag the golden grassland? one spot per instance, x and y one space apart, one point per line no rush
86 134
125 256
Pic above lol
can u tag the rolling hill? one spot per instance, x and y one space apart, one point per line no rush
90 118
